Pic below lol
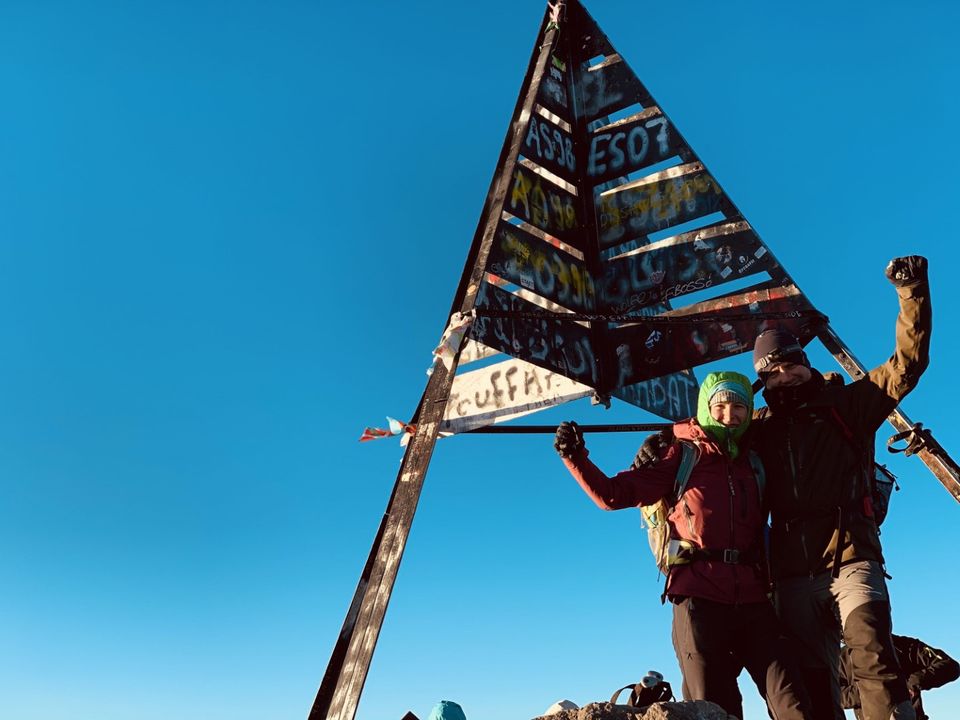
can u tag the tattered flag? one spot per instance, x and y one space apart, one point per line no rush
372 433
394 427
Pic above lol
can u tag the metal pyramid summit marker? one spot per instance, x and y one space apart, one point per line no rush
599 216
607 215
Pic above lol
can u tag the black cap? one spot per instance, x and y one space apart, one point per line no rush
775 346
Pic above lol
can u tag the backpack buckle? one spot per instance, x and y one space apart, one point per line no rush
731 556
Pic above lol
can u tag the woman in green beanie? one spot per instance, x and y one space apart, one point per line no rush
723 621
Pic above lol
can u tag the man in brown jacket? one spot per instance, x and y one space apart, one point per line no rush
816 441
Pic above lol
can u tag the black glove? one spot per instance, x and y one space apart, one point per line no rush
833 379
569 440
907 271
653 448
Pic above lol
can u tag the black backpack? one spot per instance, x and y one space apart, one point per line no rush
642 695
881 482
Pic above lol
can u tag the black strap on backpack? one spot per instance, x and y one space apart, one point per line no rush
865 462
731 556
643 696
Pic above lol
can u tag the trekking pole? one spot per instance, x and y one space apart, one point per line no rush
531 429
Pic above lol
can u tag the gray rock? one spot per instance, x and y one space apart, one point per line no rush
698 710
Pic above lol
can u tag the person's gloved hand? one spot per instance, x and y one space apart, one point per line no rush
653 448
907 271
569 440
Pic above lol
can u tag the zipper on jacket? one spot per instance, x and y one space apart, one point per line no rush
796 493
743 500
733 567
793 465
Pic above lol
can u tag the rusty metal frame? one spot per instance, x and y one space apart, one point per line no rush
342 684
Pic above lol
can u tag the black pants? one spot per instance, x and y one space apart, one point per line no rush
715 642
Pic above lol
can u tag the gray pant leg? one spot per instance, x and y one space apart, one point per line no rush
808 614
864 606
859 583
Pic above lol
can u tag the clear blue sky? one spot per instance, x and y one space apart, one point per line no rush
229 235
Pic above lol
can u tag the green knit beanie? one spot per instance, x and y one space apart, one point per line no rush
724 387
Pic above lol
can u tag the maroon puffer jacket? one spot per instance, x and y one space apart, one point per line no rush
723 502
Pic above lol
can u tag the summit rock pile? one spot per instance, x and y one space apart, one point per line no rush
698 710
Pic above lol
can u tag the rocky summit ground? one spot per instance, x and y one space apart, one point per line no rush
698 710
